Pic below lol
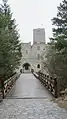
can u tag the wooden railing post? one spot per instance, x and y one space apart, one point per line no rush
57 87
2 83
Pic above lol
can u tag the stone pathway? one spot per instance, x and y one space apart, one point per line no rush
33 102
31 109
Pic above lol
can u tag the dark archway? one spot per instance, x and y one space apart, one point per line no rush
26 66
38 66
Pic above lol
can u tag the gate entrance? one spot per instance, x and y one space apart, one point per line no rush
26 67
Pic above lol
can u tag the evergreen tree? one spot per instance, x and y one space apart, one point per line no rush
10 46
60 31
57 55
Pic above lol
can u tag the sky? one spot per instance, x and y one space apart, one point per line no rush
31 14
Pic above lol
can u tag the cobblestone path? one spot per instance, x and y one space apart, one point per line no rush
30 100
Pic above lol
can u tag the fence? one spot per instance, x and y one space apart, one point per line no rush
5 86
52 84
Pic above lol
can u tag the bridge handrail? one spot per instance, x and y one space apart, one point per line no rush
11 78
51 83
7 84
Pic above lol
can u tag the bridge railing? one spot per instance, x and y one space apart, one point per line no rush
5 86
51 83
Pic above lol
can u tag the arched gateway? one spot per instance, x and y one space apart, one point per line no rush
26 67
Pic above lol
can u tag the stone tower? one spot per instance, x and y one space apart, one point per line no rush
38 35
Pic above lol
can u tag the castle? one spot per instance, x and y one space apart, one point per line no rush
32 54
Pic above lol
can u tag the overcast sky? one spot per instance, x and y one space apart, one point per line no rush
30 14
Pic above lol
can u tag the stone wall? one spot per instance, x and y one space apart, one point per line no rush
32 54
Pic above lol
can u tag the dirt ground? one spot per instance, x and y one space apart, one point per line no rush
61 101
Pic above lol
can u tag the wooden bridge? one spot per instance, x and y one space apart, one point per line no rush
52 84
